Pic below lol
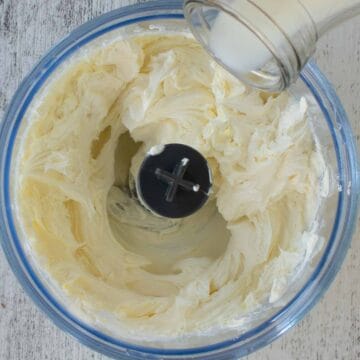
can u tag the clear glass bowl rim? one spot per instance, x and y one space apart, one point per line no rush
255 338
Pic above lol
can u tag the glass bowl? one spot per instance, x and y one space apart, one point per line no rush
338 213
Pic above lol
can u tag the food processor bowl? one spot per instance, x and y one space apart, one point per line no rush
337 214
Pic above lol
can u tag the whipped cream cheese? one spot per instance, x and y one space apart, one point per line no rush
161 277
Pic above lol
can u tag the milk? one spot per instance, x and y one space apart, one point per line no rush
239 49
235 45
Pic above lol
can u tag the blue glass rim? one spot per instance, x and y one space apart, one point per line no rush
250 340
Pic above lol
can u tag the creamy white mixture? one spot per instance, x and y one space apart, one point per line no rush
167 277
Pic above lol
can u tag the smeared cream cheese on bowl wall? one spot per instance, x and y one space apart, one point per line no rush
137 275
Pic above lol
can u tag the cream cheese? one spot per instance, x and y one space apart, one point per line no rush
167 277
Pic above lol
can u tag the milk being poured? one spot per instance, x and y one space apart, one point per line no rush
236 41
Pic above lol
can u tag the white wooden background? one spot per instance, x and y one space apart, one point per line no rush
28 28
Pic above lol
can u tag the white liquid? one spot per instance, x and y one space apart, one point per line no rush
239 48
235 45
243 52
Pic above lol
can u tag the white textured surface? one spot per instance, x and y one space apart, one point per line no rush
28 28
